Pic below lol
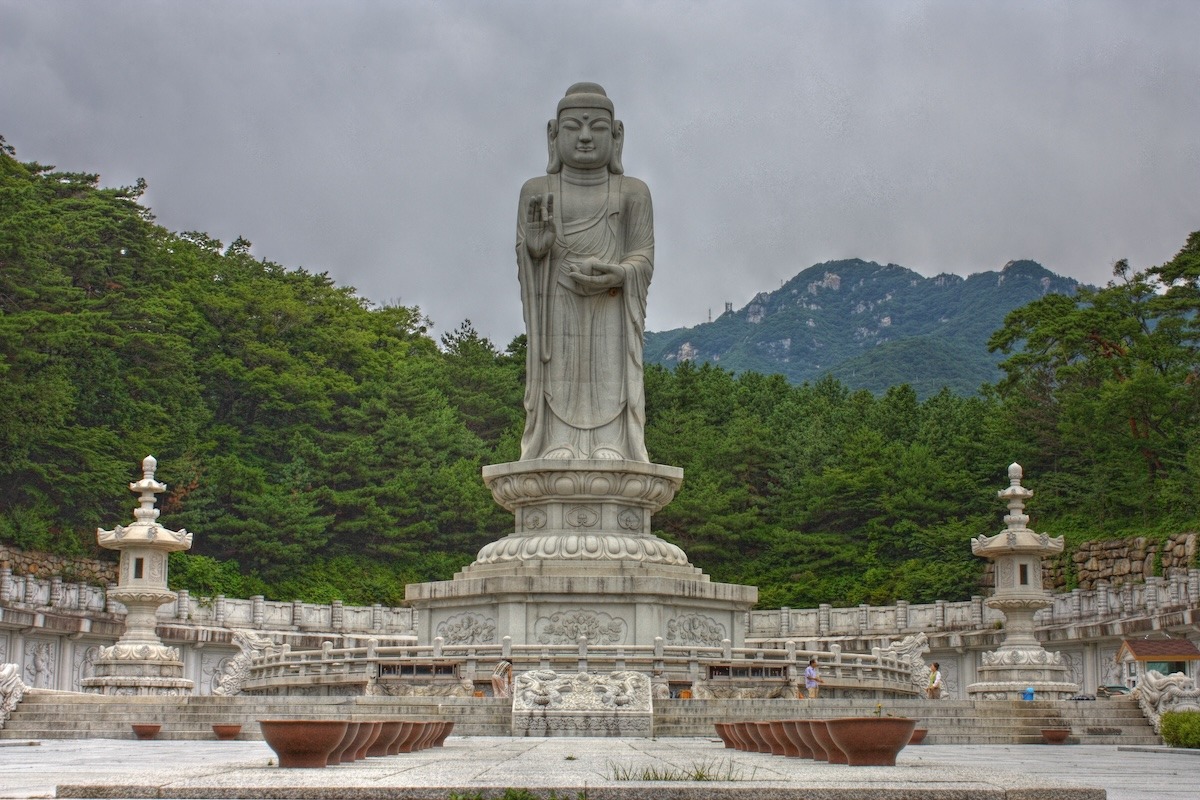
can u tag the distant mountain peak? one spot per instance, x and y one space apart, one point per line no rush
844 312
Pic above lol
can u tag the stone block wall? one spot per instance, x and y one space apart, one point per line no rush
1123 561
46 565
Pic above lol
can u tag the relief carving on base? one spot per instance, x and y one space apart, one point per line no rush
467 628
539 690
695 629
565 627
40 657
1021 658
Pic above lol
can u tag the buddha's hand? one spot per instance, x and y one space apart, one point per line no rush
602 275
540 227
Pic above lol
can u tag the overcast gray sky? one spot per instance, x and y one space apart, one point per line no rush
386 142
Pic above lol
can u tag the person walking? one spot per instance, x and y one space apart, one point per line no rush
934 690
812 679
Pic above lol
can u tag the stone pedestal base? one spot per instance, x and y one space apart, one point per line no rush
582 562
143 669
1007 674
615 603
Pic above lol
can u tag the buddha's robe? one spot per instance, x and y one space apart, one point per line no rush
584 390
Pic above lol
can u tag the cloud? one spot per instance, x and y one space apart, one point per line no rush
385 142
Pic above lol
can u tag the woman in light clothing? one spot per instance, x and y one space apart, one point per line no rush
935 682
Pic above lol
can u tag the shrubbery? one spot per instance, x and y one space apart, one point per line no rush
1181 728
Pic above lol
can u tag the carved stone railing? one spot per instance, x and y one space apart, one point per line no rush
219 611
1179 590
463 669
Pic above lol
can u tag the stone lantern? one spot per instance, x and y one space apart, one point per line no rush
1020 663
139 663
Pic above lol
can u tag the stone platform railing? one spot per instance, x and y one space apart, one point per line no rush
723 671
219 612
1179 590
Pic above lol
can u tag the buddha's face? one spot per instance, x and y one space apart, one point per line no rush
585 137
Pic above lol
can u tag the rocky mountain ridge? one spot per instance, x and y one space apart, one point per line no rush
869 325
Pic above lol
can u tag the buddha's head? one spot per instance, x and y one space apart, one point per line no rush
585 135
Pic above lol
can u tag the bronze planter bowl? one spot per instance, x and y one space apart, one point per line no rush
226 732
871 741
302 742
145 730
1055 735
919 735
820 731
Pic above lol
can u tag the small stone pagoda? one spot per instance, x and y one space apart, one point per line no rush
1020 663
139 663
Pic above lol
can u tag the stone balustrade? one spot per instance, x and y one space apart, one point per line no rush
467 668
1179 590
220 611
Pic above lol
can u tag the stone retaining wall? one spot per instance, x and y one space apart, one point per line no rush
1126 560
46 565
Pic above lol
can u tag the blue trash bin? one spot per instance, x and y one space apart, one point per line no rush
1027 694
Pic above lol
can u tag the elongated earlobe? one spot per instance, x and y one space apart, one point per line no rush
614 161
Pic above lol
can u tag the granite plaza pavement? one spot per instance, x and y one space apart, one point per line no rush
569 767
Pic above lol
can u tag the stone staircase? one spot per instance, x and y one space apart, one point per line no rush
1108 721
65 715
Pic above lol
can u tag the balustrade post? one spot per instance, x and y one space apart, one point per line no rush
1175 588
939 614
1101 598
506 648
377 617
438 643
823 619
336 615
864 618
56 591
6 584
219 609
1075 605
785 621
1151 594
1193 582
297 613
183 604
901 615
976 612
81 596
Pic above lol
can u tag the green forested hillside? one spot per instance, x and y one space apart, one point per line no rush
320 447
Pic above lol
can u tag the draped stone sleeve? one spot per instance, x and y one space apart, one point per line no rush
638 256
533 275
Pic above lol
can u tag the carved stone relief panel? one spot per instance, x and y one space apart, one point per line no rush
40 658
212 668
695 629
1109 669
1074 663
950 679
582 517
1004 574
468 628
157 567
565 627
83 664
